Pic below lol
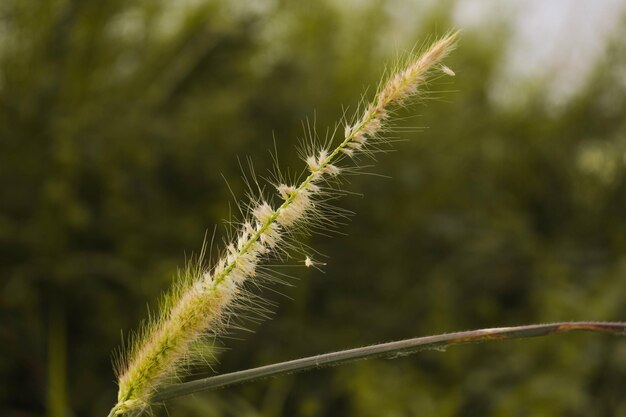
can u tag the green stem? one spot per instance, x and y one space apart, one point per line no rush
390 350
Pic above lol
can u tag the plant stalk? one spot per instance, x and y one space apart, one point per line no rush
389 350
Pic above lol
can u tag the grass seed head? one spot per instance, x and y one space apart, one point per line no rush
205 299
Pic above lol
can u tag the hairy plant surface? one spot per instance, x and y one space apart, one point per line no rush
206 301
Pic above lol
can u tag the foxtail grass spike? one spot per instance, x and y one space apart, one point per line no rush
205 299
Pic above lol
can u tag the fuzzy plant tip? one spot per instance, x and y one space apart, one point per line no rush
206 299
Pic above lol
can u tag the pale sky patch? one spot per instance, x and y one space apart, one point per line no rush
557 41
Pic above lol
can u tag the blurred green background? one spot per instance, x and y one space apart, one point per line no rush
118 120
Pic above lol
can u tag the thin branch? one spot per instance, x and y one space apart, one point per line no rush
389 350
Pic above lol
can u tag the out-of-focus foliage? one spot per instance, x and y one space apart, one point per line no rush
118 120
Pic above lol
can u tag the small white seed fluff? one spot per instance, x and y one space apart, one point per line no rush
236 276
312 163
348 152
332 170
248 227
359 138
207 278
323 156
285 191
308 262
313 188
246 264
228 288
271 236
372 127
242 240
263 212
219 268
446 70
299 204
